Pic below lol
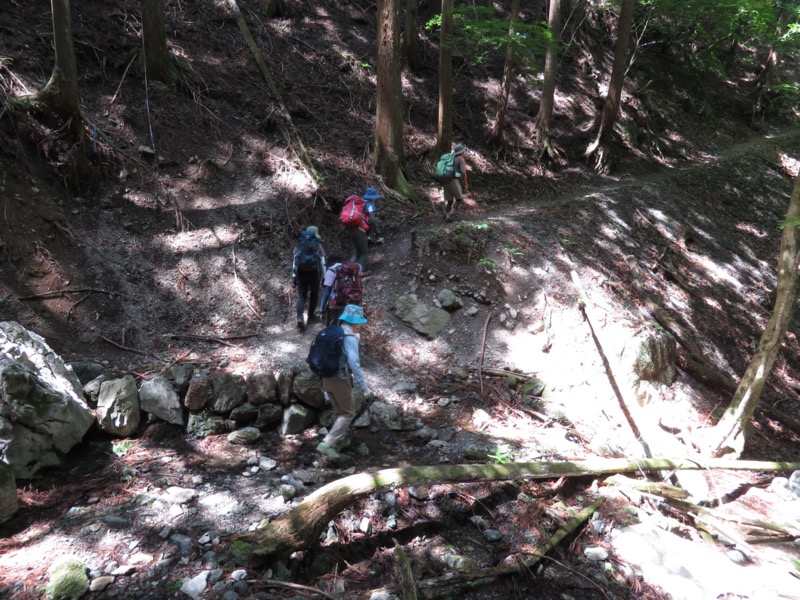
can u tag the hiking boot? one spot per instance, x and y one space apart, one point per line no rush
313 319
328 451
449 217
300 325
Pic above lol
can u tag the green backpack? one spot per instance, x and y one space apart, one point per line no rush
445 169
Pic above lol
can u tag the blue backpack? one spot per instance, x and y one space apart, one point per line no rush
308 252
326 351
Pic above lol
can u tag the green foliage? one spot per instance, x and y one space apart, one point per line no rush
502 455
710 27
487 263
478 34
786 98
122 447
462 239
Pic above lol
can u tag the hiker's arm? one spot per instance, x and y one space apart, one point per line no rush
326 296
321 264
353 360
464 176
373 222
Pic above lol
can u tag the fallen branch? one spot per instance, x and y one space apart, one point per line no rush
485 576
483 348
302 526
210 338
302 155
126 348
57 293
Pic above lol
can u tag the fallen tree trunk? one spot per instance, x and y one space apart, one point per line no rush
302 527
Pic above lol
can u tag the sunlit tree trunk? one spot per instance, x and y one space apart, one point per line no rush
598 149
542 127
157 59
730 434
444 138
410 41
388 153
496 134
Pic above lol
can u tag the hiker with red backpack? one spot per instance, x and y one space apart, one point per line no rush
308 265
334 356
359 219
340 287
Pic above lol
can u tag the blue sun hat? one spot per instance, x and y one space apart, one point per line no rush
353 314
459 149
371 194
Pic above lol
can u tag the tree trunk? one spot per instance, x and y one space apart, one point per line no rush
730 434
598 149
444 137
272 8
60 95
301 528
157 59
410 40
388 154
542 128
496 134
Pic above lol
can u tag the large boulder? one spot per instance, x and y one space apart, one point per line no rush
9 504
428 321
159 398
42 409
308 387
229 392
118 410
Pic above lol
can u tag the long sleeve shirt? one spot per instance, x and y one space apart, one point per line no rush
350 361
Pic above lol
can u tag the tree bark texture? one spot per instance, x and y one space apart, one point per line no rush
388 154
301 528
410 38
157 59
608 115
731 432
496 134
444 136
61 92
549 84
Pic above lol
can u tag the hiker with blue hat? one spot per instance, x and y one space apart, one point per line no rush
340 386
308 267
360 220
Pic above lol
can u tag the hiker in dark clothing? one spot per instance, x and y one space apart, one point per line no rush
454 190
308 266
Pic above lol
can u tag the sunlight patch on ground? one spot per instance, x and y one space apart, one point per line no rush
200 239
751 229
719 274
790 164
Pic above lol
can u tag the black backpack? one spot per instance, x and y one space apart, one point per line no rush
308 251
326 351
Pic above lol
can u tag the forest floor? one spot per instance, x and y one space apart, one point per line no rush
186 259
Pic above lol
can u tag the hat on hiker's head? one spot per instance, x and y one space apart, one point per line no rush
353 314
459 149
314 230
371 194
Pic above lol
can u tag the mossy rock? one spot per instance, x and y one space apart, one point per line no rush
68 579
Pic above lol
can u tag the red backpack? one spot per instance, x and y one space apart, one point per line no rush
346 288
353 214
